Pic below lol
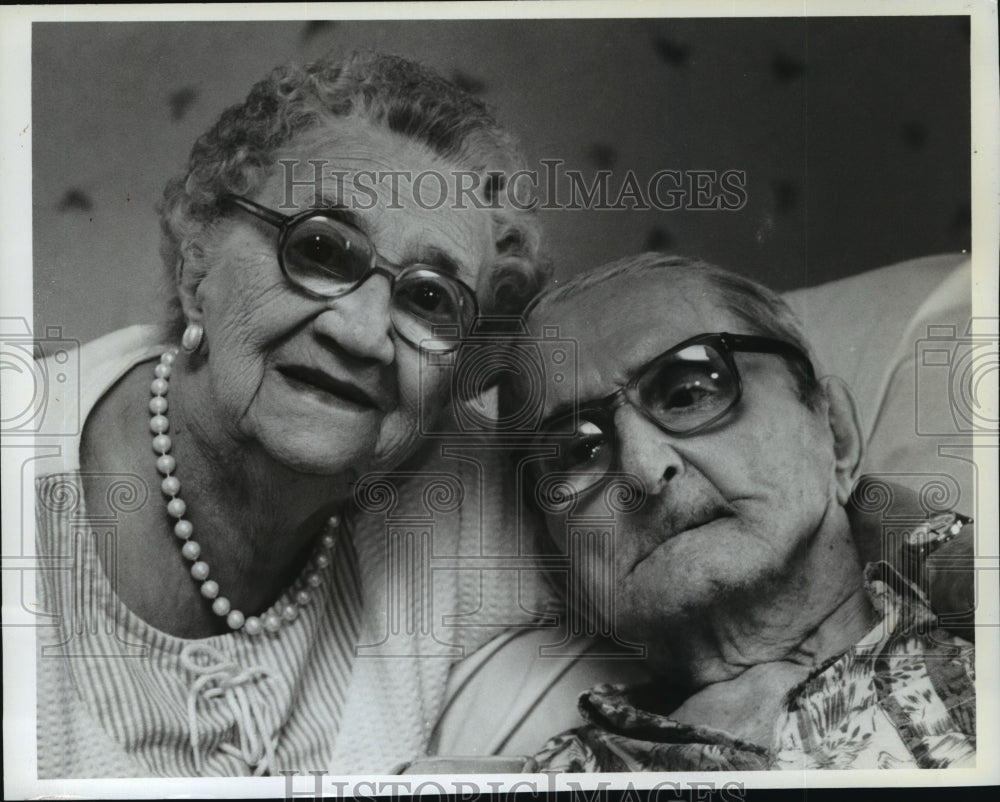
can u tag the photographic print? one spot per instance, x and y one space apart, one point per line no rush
471 398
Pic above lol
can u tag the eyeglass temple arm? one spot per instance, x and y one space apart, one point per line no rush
766 345
258 211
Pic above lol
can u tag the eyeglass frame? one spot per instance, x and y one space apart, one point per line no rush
628 393
286 223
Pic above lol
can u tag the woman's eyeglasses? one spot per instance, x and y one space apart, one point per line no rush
683 391
328 258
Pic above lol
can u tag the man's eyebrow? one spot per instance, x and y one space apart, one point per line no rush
560 410
567 408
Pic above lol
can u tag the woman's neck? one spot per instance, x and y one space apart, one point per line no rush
255 520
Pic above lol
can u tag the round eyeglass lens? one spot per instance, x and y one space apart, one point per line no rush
325 257
430 309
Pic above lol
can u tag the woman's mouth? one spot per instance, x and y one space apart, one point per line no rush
328 387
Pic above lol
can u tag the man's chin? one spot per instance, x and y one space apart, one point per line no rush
676 592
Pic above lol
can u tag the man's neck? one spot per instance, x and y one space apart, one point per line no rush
739 659
748 698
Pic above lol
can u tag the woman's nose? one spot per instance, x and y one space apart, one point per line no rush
360 322
646 451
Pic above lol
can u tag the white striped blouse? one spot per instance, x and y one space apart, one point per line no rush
118 698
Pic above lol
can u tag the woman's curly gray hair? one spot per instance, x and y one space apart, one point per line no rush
237 155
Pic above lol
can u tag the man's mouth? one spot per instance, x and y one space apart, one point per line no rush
319 380
696 520
679 523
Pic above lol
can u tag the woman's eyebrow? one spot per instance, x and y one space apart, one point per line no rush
429 255
339 211
435 257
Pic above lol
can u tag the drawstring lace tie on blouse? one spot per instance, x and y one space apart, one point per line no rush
256 723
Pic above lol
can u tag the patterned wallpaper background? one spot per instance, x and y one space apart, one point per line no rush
853 135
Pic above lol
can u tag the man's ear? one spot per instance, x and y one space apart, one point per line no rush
848 440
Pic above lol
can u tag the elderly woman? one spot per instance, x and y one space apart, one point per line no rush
207 625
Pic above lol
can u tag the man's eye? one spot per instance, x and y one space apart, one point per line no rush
586 447
683 390
585 451
688 395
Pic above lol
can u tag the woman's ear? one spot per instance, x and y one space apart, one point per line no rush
188 283
848 440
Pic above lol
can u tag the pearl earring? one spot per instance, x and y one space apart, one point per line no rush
193 335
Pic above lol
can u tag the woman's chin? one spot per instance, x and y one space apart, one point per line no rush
322 455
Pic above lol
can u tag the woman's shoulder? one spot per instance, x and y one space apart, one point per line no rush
69 382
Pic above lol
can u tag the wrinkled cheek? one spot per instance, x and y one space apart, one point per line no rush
598 586
630 596
434 391
235 381
424 396
398 437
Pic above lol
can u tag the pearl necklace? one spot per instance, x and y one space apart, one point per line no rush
280 612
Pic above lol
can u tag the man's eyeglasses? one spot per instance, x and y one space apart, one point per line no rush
328 258
683 391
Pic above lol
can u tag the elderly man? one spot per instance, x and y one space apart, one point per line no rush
734 565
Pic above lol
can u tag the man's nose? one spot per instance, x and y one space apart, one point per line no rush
360 322
645 450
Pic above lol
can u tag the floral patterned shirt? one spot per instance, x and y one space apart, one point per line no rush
903 696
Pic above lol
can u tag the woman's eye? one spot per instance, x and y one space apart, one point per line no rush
316 249
428 296
321 250
428 300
